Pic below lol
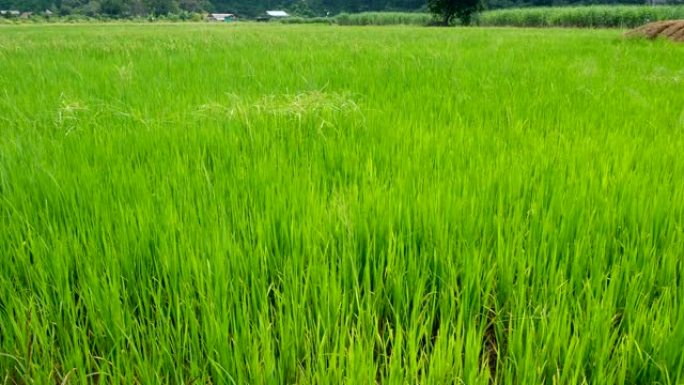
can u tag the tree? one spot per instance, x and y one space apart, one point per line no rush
194 5
301 8
136 8
92 8
162 7
447 9
112 7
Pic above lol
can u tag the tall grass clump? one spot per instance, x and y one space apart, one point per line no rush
308 20
196 204
383 18
604 16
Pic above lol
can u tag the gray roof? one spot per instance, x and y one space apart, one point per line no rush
221 16
277 13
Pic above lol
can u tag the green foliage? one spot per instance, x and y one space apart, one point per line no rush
245 8
112 7
162 7
366 18
591 17
268 204
446 10
383 18
307 20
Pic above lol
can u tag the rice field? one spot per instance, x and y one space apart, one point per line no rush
272 204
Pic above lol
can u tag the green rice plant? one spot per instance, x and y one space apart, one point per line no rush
269 204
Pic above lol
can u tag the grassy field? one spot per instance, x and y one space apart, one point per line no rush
212 204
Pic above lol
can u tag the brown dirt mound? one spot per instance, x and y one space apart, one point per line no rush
671 29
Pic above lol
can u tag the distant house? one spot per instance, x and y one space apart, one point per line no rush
10 13
222 17
277 14
273 15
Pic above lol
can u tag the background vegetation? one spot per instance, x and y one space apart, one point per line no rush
587 17
245 8
613 16
300 204
252 8
592 17
383 18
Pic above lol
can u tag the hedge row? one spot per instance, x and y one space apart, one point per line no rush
614 16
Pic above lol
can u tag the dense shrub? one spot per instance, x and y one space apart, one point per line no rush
308 20
74 19
618 16
383 18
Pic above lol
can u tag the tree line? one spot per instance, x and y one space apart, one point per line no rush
247 8
251 8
